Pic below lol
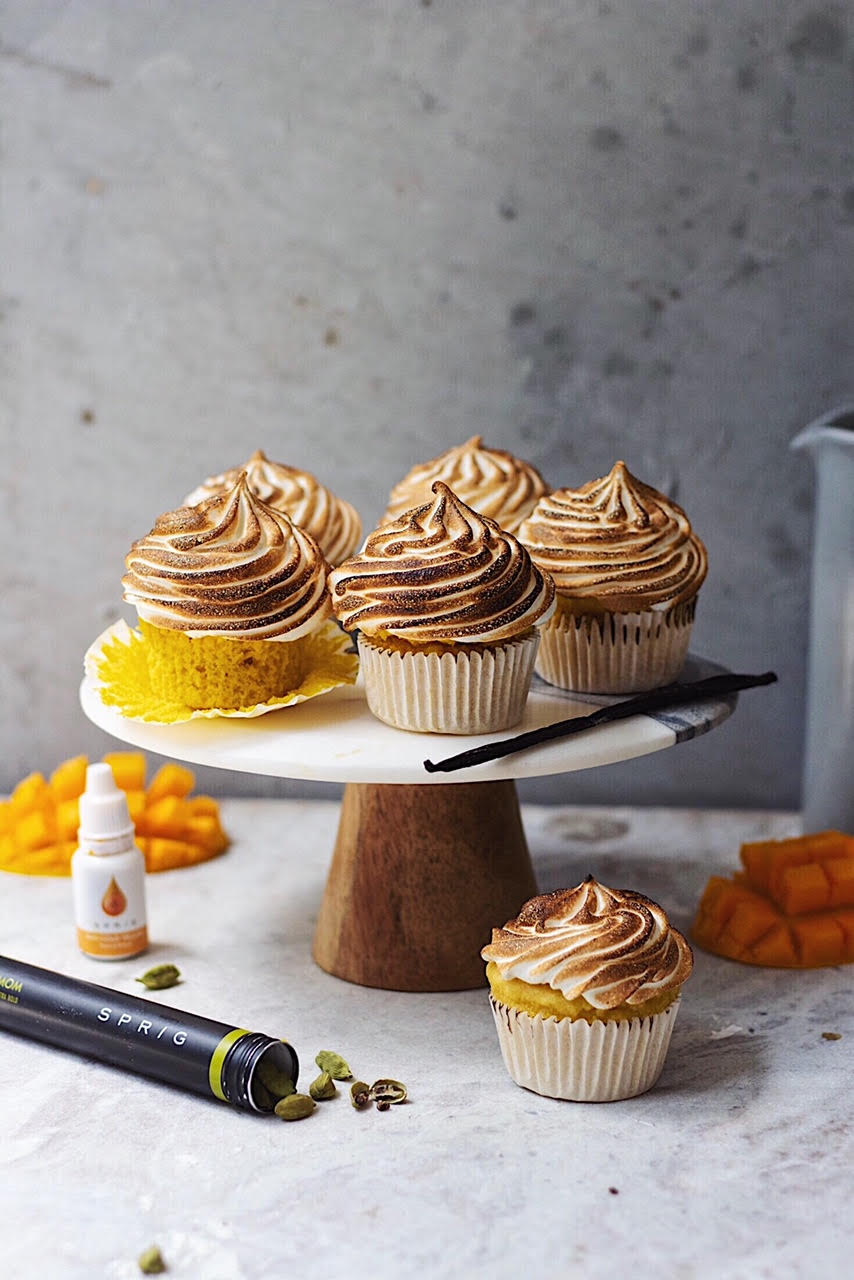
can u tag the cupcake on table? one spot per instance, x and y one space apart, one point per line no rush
447 607
333 522
627 566
491 481
584 989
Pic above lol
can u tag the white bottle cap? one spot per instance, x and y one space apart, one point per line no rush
104 813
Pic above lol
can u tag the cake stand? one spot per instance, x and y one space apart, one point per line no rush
425 864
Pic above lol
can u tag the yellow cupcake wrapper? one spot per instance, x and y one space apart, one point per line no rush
117 666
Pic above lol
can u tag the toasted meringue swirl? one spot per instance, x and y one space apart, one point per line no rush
617 541
230 566
490 481
610 946
441 572
333 522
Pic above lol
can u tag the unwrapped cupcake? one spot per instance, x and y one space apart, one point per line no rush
627 567
491 481
233 608
333 522
584 989
447 607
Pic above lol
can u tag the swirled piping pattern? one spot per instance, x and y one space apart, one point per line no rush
441 572
230 566
333 522
617 541
491 481
610 946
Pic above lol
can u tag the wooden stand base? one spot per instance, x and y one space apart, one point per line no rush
419 877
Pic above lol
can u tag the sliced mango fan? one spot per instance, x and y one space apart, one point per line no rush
38 824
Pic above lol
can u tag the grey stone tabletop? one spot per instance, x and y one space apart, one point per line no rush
737 1164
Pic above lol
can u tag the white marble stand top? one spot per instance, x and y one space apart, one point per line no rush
737 1165
335 738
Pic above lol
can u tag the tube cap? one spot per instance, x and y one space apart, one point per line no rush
104 813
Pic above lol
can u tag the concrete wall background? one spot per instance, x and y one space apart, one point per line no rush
356 233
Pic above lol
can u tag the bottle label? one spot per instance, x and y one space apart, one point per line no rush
110 908
112 946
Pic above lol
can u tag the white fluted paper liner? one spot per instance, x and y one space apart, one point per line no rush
583 1061
615 652
482 691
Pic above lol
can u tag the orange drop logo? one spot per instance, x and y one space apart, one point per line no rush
114 901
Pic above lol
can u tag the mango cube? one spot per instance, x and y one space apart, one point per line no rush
128 769
171 780
68 780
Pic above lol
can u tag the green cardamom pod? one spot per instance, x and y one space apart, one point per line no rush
160 977
337 1067
323 1087
388 1091
360 1094
262 1097
151 1262
273 1078
295 1107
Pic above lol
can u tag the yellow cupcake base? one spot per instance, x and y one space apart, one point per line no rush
158 681
218 671
541 1001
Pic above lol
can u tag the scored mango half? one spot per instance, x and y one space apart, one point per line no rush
791 907
174 828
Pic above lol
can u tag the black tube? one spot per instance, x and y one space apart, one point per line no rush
182 1049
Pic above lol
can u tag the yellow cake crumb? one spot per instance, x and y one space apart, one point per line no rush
218 671
542 1001
118 663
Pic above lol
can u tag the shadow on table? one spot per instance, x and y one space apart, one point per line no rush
697 1063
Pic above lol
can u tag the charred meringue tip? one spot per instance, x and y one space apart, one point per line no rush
612 946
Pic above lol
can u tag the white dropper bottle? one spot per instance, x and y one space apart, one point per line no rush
108 873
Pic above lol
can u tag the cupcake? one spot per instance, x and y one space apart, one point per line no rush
230 594
584 989
627 568
491 481
447 607
334 524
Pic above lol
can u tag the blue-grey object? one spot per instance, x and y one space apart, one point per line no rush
687 722
828 784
